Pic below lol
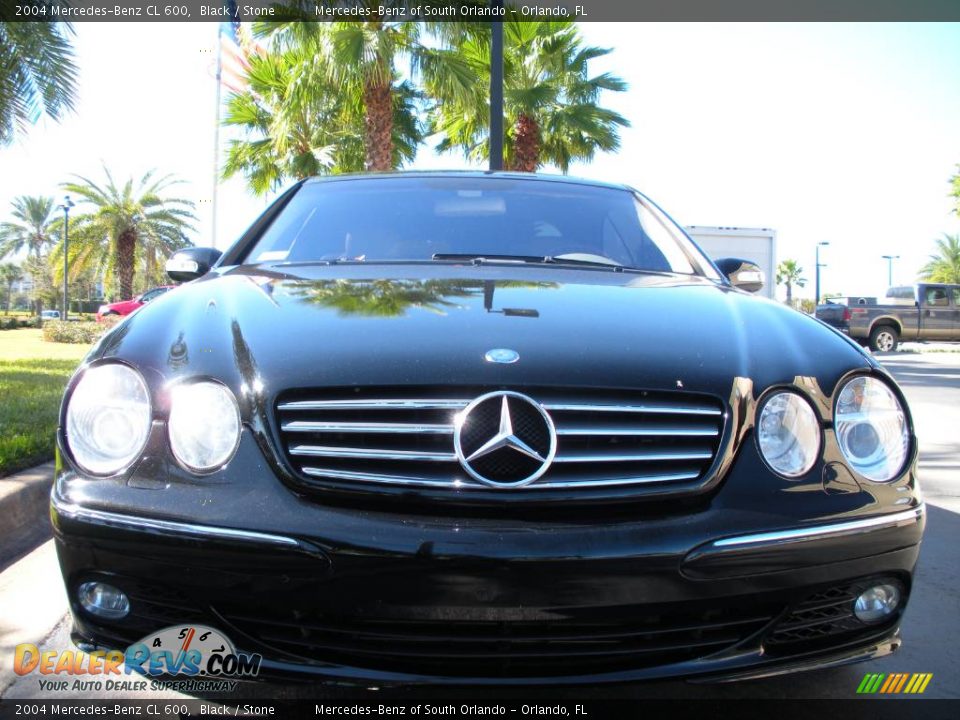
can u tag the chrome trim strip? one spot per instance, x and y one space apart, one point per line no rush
439 404
633 457
563 484
168 527
370 454
359 427
818 532
659 409
387 479
460 483
651 431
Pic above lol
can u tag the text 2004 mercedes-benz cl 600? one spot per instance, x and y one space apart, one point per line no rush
485 428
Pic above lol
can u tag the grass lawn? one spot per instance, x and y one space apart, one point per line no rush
33 374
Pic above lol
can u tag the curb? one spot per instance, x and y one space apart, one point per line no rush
24 513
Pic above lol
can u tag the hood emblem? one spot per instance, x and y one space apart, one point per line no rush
504 356
504 439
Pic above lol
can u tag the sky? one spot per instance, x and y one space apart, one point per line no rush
841 133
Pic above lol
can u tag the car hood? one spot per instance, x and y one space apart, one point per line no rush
432 324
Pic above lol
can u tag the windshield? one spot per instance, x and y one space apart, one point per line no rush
424 218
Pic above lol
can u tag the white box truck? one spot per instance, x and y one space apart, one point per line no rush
756 244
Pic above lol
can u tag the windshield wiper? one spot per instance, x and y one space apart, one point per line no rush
584 259
478 258
588 259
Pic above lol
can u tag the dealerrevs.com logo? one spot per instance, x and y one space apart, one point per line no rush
193 650
205 656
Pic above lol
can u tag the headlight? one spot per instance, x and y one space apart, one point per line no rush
871 429
204 425
788 434
108 418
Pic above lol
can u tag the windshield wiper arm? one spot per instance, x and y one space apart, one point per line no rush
496 257
584 259
587 259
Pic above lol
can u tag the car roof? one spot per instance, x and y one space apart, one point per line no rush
541 177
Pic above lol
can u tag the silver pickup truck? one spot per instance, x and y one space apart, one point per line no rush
924 312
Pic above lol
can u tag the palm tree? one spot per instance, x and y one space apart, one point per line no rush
359 59
298 123
9 274
387 298
126 226
392 298
550 99
789 273
944 265
36 72
955 190
33 229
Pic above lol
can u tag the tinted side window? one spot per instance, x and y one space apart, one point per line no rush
937 297
956 296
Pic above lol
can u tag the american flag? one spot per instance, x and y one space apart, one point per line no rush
233 60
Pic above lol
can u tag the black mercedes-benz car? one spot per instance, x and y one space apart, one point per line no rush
485 428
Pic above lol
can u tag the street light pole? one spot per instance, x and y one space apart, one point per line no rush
890 259
816 300
67 204
496 90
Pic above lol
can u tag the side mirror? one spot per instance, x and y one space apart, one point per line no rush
191 263
742 274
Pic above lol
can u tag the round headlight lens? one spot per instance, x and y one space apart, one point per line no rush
204 425
108 418
872 429
788 434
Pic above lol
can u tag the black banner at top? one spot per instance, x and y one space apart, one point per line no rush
478 10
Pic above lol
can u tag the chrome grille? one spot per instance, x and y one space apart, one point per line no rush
403 438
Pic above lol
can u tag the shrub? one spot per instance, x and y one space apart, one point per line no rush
14 323
73 332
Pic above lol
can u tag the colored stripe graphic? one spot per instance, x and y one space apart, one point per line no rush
890 683
894 683
903 680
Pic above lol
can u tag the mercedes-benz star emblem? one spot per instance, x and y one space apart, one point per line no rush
505 439
503 356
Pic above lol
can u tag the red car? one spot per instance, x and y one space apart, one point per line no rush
125 307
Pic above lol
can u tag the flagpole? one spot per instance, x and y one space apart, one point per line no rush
216 140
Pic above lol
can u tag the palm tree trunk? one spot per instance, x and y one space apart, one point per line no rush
126 250
378 130
149 270
526 145
37 303
789 293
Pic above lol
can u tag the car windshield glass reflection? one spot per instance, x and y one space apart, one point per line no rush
450 219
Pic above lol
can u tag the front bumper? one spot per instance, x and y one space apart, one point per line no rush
374 597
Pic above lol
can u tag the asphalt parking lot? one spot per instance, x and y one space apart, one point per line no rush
34 606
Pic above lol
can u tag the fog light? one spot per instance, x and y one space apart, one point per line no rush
877 603
103 601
